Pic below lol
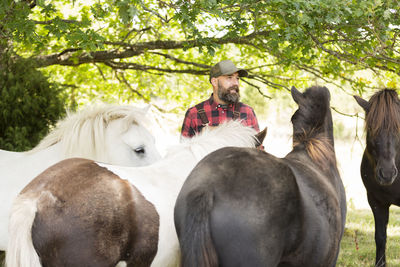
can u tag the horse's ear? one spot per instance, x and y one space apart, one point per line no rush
296 95
363 103
261 136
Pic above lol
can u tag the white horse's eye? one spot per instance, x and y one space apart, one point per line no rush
139 150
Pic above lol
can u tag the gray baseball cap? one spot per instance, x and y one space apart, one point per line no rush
226 67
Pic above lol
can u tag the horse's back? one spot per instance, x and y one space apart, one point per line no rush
250 197
87 215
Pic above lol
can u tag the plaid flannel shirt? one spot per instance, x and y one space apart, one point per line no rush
216 114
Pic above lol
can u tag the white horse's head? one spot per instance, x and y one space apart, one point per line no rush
114 134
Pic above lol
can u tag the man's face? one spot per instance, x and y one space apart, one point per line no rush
228 88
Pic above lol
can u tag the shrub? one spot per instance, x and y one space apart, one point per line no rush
29 103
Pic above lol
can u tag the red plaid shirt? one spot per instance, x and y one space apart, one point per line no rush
216 114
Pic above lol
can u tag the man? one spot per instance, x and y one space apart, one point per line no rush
223 104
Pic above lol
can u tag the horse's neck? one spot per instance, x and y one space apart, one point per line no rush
9 155
47 156
197 151
328 129
298 154
16 173
162 180
311 178
173 169
185 159
323 134
180 162
299 158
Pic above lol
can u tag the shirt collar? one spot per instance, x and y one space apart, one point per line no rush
214 105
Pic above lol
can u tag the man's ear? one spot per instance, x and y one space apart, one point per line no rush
214 81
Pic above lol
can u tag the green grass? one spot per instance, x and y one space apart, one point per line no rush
2 258
358 243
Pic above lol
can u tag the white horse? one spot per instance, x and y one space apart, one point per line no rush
113 134
85 213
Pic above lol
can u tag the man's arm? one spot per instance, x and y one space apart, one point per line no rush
252 120
187 129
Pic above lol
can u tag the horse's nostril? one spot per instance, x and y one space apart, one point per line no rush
395 172
386 177
380 172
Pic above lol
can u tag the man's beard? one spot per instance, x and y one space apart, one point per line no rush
225 94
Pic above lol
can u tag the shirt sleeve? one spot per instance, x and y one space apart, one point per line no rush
253 122
187 126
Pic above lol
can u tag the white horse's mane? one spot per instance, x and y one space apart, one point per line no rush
84 129
229 133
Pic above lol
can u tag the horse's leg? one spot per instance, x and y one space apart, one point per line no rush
381 217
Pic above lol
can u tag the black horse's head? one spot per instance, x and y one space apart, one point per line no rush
382 124
313 114
312 124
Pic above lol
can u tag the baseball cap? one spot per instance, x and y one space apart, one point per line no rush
226 67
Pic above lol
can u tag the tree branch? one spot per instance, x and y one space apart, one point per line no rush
134 66
121 78
48 22
70 58
258 89
100 71
135 30
181 61
352 59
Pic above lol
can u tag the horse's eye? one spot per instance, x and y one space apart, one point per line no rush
139 150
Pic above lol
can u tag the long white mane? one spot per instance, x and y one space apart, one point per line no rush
79 132
230 133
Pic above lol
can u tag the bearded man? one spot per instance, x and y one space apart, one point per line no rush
223 104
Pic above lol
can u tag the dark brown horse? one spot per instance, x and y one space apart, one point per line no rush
245 207
381 161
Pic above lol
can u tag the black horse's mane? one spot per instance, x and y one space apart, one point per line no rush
319 148
383 113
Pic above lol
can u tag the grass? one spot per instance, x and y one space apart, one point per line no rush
358 243
2 258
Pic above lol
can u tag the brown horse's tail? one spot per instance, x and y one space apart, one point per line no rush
196 244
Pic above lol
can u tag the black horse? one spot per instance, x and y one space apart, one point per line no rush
245 207
381 160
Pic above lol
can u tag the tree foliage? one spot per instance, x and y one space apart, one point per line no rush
141 49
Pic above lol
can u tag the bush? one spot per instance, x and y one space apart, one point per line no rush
29 103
